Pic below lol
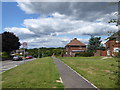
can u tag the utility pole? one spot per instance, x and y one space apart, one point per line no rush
38 53
24 46
24 54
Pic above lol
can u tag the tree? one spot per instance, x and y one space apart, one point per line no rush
117 21
10 42
94 44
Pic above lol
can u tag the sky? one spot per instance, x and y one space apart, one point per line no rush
54 24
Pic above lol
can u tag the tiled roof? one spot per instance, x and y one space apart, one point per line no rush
75 42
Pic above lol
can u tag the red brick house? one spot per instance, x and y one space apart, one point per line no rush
74 47
113 47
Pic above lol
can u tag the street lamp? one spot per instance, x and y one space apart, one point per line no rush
24 46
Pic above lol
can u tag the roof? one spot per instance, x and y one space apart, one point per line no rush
75 42
116 35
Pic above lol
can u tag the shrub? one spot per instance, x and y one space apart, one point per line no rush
5 55
118 55
84 54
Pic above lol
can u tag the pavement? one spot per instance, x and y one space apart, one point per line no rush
71 79
8 64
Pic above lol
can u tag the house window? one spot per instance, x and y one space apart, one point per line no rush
118 40
108 52
116 49
66 53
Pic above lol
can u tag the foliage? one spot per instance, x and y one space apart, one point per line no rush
10 42
102 47
45 52
114 36
84 54
116 21
5 55
94 44
118 55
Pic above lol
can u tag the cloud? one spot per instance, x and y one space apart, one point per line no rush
63 19
50 41
22 33
78 10
61 25
46 31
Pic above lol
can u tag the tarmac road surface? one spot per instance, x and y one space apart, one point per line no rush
8 64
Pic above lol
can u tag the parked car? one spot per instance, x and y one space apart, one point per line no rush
29 57
17 58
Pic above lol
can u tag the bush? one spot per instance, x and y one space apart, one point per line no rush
118 55
84 54
5 55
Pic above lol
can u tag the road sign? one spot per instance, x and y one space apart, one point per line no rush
24 44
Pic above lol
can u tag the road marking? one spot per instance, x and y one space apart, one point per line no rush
61 80
79 75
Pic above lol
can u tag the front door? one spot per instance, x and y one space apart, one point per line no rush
108 52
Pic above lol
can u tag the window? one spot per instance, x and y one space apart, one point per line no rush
116 49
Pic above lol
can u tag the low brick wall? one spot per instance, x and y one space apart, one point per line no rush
103 53
100 53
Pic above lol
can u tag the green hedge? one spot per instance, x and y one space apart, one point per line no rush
5 55
84 54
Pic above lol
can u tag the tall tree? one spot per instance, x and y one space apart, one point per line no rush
9 42
116 21
94 44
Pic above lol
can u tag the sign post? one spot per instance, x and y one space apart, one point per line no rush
24 44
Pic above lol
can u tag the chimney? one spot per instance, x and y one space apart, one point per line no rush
75 38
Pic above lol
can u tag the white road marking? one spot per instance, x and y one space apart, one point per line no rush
61 80
80 75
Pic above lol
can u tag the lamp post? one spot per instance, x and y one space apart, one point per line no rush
24 46
38 53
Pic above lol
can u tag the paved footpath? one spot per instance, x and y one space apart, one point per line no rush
70 78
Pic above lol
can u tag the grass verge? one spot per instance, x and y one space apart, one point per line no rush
40 73
97 70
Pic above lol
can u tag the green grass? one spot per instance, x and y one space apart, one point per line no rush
97 70
40 73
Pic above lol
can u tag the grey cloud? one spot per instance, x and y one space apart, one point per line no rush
78 10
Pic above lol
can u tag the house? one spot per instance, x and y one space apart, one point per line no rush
113 47
75 46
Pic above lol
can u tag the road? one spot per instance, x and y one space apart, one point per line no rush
8 64
71 78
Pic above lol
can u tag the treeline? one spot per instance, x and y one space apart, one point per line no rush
44 52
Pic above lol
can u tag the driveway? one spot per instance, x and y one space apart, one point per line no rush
72 79
8 64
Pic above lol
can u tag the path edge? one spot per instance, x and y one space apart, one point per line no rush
79 75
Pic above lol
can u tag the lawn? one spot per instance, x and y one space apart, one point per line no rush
40 73
97 70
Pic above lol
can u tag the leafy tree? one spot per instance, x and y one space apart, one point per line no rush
45 52
102 47
117 21
94 44
114 36
10 42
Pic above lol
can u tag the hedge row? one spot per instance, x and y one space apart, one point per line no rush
84 54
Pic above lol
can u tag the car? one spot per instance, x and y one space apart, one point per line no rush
17 58
29 57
